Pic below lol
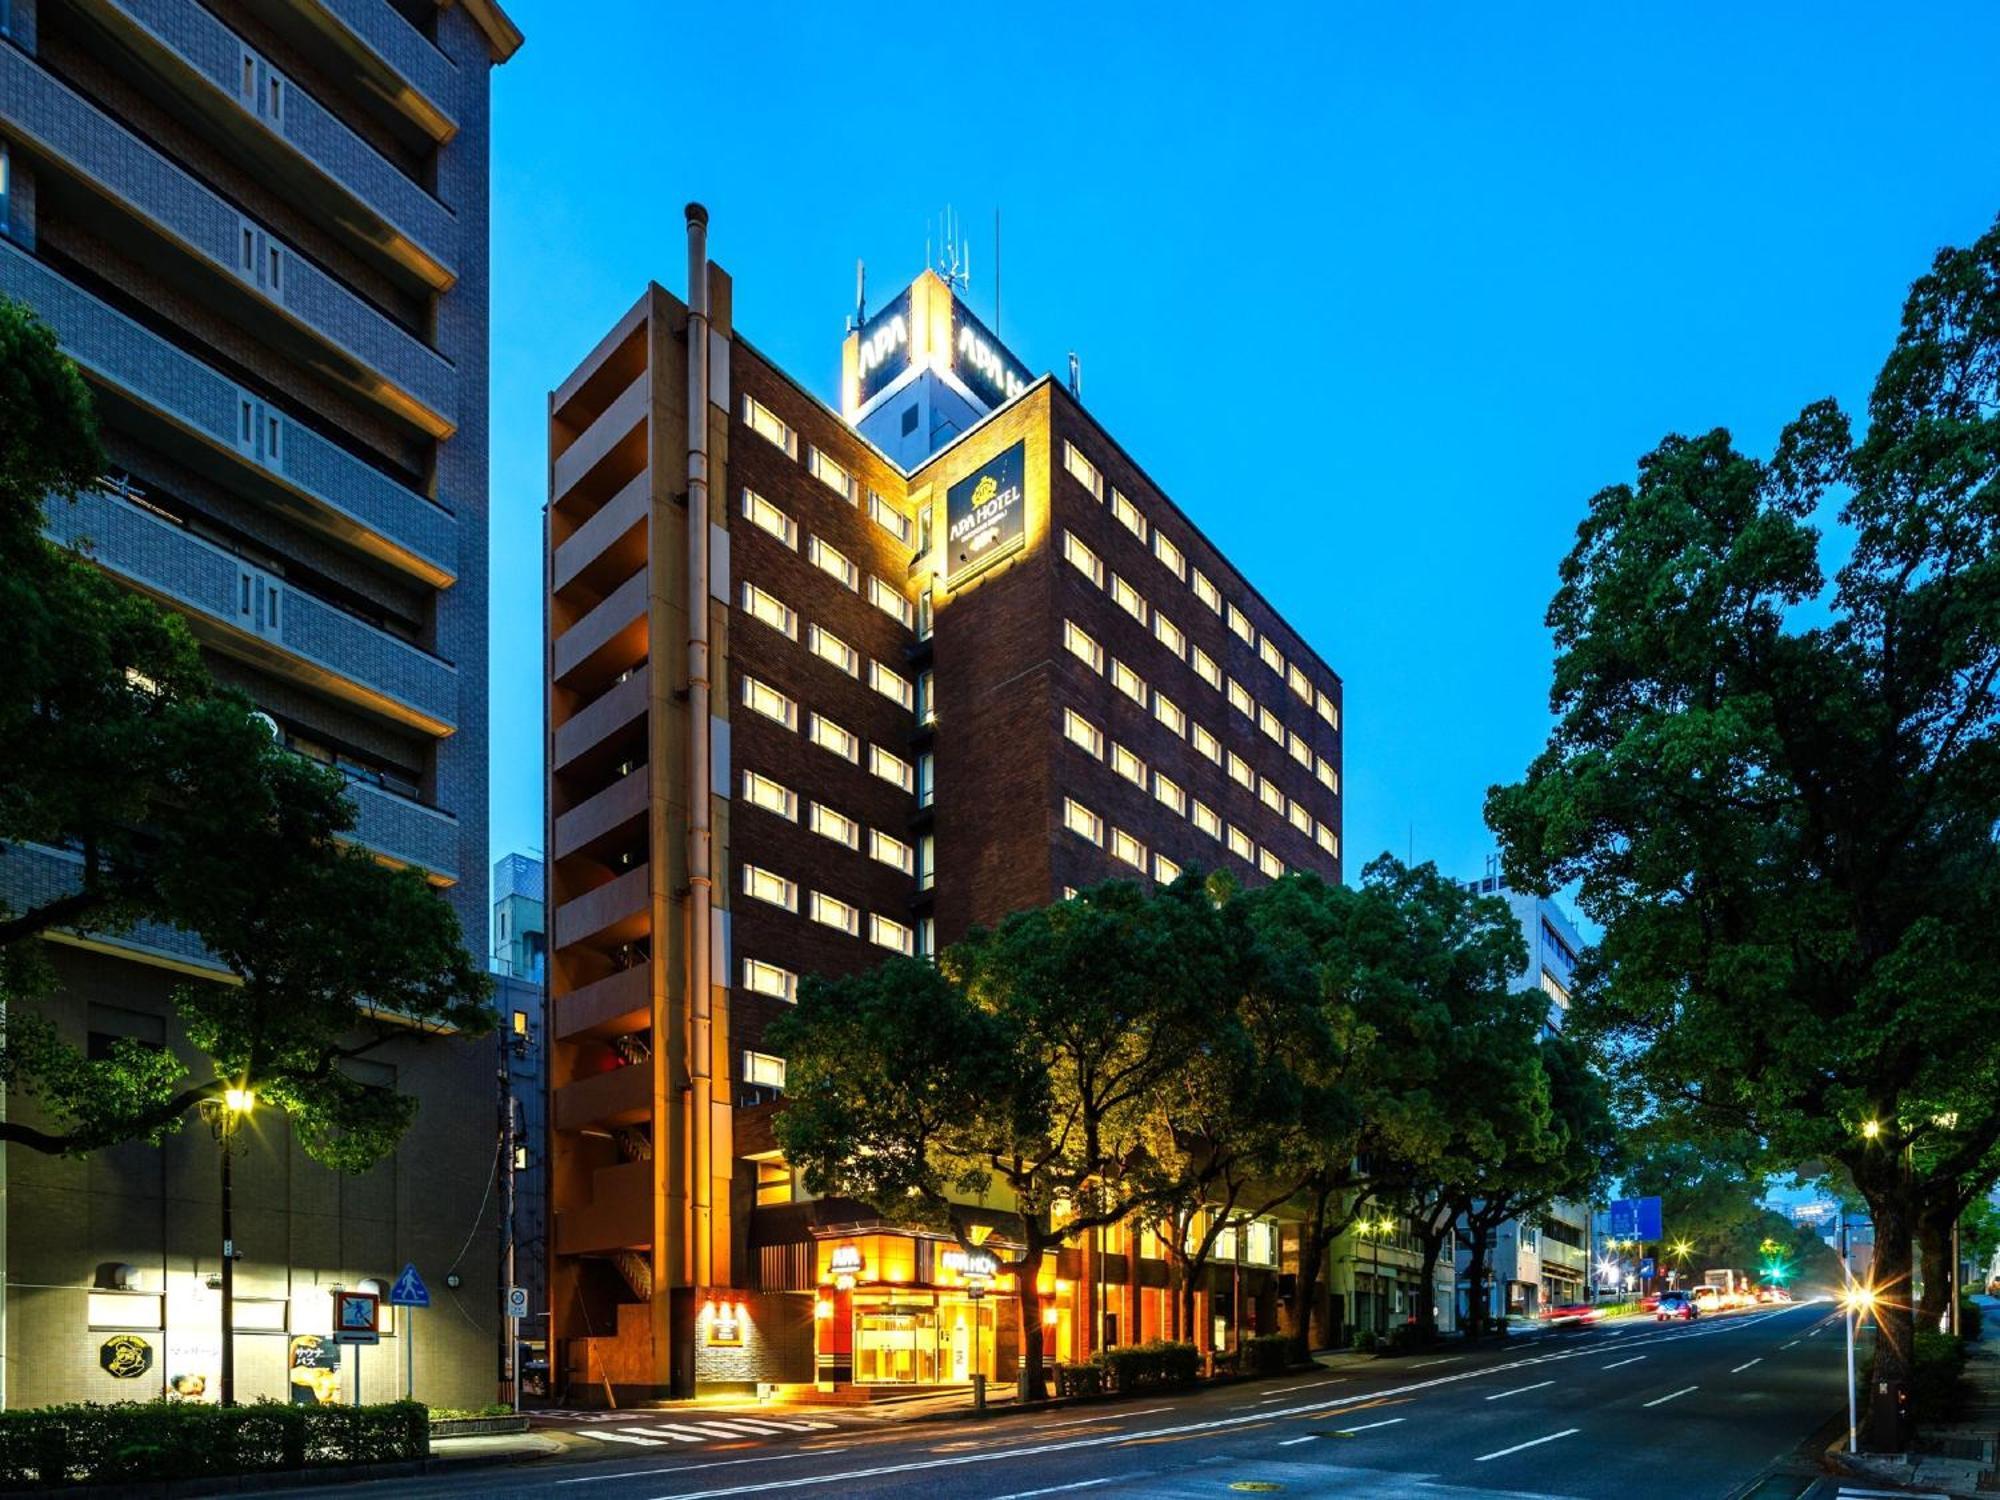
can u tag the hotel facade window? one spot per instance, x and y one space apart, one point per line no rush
830 823
831 649
767 885
1126 848
887 598
830 474
1127 515
766 517
891 685
883 932
891 767
770 609
772 796
764 1070
1081 732
1082 646
1080 557
830 736
768 425
762 698
1128 682
832 562
1079 819
1083 470
831 911
761 978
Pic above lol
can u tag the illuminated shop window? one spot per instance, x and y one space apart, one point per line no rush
1128 515
768 425
889 599
1083 470
772 796
761 884
831 649
762 514
1082 646
830 474
832 562
891 685
1079 819
1207 744
1169 554
1081 732
831 911
830 736
770 609
762 978
896 936
763 1070
1080 557
830 824
762 698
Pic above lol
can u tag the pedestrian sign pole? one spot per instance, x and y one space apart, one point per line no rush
410 1293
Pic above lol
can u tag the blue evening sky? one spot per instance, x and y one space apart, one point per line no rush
1380 295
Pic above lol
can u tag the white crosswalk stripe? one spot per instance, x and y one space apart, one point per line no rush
620 1437
634 1428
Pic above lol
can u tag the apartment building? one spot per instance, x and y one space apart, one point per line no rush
830 682
261 232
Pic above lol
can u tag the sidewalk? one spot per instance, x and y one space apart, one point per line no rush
1961 1458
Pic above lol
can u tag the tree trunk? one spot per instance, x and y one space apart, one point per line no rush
1427 1312
1889 1274
1305 1293
1028 1292
1475 1276
1189 1333
1934 1224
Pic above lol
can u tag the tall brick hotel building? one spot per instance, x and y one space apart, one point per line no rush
829 683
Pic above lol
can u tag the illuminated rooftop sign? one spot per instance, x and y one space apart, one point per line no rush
926 327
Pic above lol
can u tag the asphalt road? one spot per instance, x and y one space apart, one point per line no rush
1635 1411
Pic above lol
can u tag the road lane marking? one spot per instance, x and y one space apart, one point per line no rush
1675 1395
1426 1364
1312 1384
1369 1427
1056 1489
1747 1364
1294 1442
1503 1395
1621 1363
1793 1344
1531 1443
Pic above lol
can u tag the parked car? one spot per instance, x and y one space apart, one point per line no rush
1682 1306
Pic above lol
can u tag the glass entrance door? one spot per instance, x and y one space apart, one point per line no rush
896 1344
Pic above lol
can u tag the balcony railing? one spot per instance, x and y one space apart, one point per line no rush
255 608
327 485
404 51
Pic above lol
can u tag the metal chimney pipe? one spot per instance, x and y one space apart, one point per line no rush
700 880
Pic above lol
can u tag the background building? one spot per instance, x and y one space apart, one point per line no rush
520 950
261 231
838 685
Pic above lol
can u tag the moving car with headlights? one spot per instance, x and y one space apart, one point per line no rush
1572 1314
1677 1306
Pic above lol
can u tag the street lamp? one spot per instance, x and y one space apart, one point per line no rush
1375 1232
223 1116
1857 1299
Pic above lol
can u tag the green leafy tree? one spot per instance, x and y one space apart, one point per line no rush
181 808
1779 798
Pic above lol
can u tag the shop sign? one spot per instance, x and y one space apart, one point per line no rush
725 1324
971 1262
125 1357
315 1371
986 514
844 1265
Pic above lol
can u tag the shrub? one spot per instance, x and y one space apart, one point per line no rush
1269 1353
1936 1362
1364 1341
1080 1380
1401 1339
157 1440
1158 1365
1970 1319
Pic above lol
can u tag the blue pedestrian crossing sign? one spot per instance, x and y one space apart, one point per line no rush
409 1290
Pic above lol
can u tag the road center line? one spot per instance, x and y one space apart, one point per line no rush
1747 1364
1426 1364
1531 1443
1793 1344
1503 1395
1619 1364
1294 1442
1674 1395
1369 1427
1055 1489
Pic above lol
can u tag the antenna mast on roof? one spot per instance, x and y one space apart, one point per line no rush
1075 376
954 259
860 314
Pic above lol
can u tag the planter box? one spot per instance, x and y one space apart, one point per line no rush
445 1427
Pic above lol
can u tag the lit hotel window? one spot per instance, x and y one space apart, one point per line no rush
1301 684
1240 623
891 768
1082 646
1169 713
1239 843
1168 634
1130 850
1128 599
1080 557
829 824
891 851
762 1070
1083 469
831 911
891 685
762 698
1079 819
1271 724
830 736
1240 772
1080 731
1206 669
1270 864
926 697
832 563
830 648
1165 870
1301 819
1128 682
1301 751
769 608
1169 554
762 514
1273 657
1128 765
1206 820
927 937
772 796
926 779
774 1183
1208 744
1323 769
768 979
889 518
1169 793
1206 591
886 598
766 885
830 474
1239 699
1327 839
1128 514
924 615
1328 710
926 862
1272 797
884 933
769 425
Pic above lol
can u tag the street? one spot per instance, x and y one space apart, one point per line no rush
1637 1410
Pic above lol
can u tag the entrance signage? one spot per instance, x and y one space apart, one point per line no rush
986 514
971 1262
845 1264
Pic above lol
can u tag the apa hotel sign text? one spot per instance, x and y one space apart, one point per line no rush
986 514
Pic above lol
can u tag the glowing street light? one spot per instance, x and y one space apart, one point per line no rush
1871 1129
1857 1299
